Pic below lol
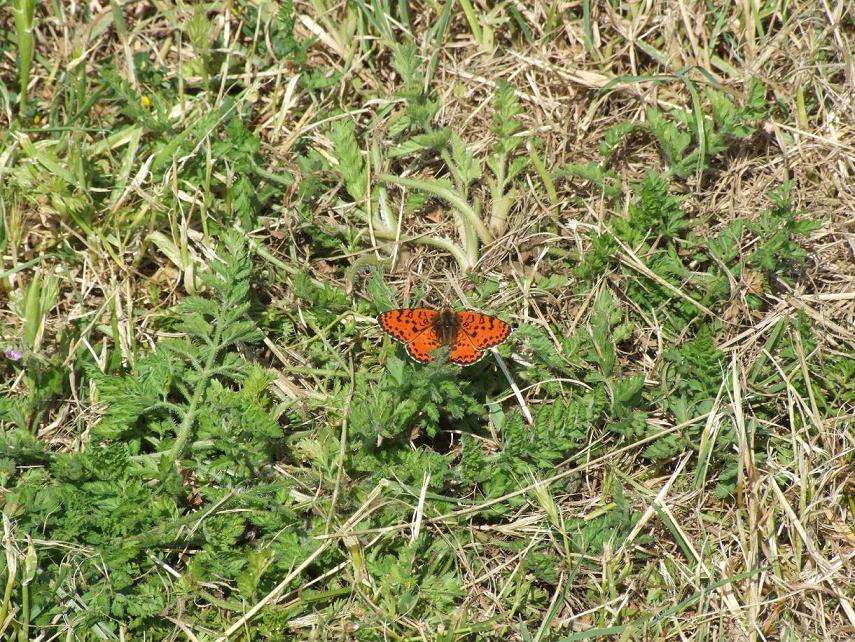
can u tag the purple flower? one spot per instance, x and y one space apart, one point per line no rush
14 355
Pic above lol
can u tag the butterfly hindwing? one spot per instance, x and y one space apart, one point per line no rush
423 345
463 352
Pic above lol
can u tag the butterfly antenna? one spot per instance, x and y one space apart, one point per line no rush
523 405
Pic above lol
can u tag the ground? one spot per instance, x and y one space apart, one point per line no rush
205 434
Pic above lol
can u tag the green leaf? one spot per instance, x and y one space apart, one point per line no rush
351 166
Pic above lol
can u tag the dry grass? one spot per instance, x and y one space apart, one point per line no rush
774 560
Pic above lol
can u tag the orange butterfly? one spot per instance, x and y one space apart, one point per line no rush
422 330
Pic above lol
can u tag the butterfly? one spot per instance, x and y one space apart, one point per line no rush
422 330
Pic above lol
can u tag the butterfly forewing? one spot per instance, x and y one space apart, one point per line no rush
482 330
405 324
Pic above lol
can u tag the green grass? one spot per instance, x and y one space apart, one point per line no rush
203 433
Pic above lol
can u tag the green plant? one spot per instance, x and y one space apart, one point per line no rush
605 179
44 376
464 168
422 582
410 401
689 141
504 166
420 109
778 253
191 410
654 214
176 381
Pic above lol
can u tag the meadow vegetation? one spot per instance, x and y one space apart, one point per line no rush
205 436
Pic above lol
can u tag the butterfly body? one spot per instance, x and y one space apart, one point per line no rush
447 326
467 333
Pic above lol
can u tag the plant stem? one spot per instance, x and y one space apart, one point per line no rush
25 11
445 193
186 427
460 255
471 227
472 19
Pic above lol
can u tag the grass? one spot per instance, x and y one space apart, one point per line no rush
204 434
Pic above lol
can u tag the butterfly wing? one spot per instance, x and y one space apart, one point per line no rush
414 327
421 347
406 324
477 333
482 330
463 352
